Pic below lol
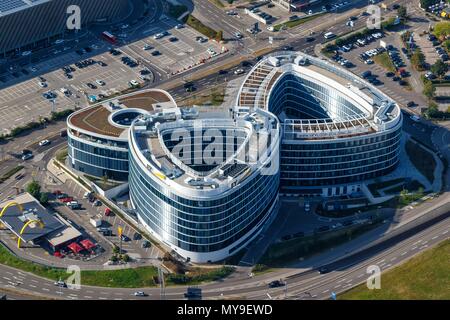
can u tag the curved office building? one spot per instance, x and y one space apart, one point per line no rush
338 130
205 187
98 135
206 184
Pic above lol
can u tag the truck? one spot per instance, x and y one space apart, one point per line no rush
95 222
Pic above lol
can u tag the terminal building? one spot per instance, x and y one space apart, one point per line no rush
29 24
206 185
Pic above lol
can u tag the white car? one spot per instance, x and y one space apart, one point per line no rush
238 35
42 84
147 47
100 82
59 41
158 36
415 118
239 71
134 83
368 61
44 143
140 294
26 53
179 26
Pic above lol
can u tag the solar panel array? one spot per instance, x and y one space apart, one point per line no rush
7 5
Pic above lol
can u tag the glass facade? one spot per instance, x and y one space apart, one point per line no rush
328 161
201 225
99 160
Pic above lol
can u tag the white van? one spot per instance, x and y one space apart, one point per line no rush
329 35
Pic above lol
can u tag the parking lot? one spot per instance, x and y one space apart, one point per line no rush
397 84
133 246
180 49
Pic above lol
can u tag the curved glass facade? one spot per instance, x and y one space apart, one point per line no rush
99 160
201 225
328 161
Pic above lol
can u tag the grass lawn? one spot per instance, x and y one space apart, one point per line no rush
422 159
294 23
385 61
442 28
61 155
425 276
215 97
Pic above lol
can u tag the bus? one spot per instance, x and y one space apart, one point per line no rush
109 37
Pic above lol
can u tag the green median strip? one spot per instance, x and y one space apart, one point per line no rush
200 27
294 23
10 173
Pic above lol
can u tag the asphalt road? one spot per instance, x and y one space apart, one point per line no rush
387 252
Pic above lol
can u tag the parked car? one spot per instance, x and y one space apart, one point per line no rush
146 244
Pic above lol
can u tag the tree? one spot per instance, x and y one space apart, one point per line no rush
418 60
34 189
439 68
424 4
219 35
402 13
428 89
43 199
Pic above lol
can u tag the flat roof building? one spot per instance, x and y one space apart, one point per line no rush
22 209
27 24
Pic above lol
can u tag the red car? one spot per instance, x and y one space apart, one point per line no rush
68 199
107 212
57 192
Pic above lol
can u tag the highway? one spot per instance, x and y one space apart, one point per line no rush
348 271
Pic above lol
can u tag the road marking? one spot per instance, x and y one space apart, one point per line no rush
45 289
414 248
325 291
446 231
404 253
337 286
361 275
